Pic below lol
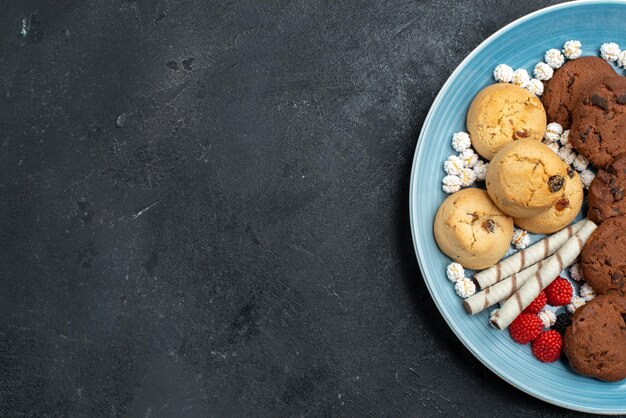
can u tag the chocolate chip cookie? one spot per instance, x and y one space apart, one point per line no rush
598 129
606 192
564 90
603 259
594 343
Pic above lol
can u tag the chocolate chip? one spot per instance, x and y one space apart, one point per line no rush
598 215
521 134
600 102
562 204
618 193
474 217
584 135
555 183
570 173
570 82
621 99
489 225
617 278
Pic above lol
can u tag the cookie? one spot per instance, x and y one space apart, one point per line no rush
562 213
595 342
526 178
599 122
563 91
471 230
502 113
603 259
606 192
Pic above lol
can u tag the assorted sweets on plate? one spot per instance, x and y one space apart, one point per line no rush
537 143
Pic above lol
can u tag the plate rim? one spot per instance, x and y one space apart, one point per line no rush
416 244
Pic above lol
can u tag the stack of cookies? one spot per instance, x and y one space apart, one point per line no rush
589 97
527 183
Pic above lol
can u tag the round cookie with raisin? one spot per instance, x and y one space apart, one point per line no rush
526 178
471 230
606 191
566 87
599 122
603 259
594 343
502 113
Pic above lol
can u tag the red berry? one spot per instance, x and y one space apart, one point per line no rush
537 305
547 346
525 328
559 292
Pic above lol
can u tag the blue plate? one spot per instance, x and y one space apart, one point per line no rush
521 44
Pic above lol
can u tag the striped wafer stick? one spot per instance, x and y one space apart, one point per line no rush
545 275
524 258
499 291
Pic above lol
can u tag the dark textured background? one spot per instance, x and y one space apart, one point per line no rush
204 209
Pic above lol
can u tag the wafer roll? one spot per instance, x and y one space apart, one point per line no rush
545 275
524 258
499 291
